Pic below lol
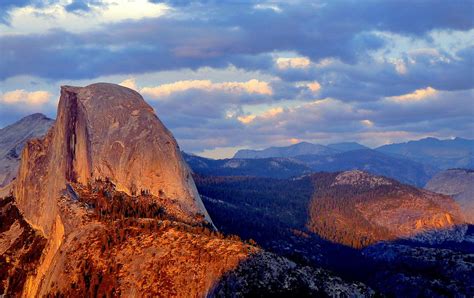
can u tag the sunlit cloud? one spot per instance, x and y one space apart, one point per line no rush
314 86
294 140
129 83
296 62
21 96
246 119
367 122
268 114
417 95
252 86
41 19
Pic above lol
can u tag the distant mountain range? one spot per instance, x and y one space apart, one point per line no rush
276 167
414 162
443 154
401 169
302 148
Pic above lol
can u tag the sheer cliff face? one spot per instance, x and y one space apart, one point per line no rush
103 131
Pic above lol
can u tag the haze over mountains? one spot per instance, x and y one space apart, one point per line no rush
300 158
444 154
449 153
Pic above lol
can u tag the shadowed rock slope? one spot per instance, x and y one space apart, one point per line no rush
458 183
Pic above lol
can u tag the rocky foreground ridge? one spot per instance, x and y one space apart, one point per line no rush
104 205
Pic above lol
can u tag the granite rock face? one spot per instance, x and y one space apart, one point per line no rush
103 131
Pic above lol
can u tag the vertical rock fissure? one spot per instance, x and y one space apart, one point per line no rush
71 136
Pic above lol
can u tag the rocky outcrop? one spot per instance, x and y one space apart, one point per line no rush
12 140
359 209
103 131
459 184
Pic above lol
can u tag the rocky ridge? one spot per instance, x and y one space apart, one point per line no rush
358 209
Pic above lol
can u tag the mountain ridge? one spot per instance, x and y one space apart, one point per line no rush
12 140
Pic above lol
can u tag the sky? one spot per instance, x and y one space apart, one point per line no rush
226 75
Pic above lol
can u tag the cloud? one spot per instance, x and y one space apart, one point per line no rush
129 83
251 87
24 97
419 94
445 114
83 6
246 119
314 86
296 62
326 71
217 34
367 122
375 78
7 5
20 103
268 114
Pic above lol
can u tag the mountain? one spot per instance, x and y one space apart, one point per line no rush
13 139
104 205
347 146
265 167
103 131
357 209
302 148
458 183
374 162
444 154
306 219
353 208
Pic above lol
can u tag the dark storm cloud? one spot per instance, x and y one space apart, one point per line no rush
369 79
221 33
